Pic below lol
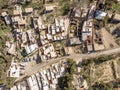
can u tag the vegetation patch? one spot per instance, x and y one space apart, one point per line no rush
97 60
118 40
108 4
102 58
66 8
65 82
116 7
100 73
102 86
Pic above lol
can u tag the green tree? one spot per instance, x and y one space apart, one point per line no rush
72 66
102 58
65 82
66 8
116 7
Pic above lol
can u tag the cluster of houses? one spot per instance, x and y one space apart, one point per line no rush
32 34
54 32
47 79
16 70
88 35
44 80
88 31
27 38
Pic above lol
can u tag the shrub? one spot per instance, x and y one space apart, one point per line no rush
116 7
102 58
72 66
102 86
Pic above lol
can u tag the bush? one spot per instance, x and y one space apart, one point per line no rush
116 7
66 8
65 83
97 60
102 58
87 62
72 66
108 4
102 86
62 82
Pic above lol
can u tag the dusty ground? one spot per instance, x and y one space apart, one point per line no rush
104 72
108 39
70 50
117 16
101 72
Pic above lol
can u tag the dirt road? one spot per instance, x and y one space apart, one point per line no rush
34 68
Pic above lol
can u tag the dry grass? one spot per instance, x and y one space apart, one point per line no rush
108 39
101 73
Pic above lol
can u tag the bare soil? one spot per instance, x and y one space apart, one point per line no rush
108 39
